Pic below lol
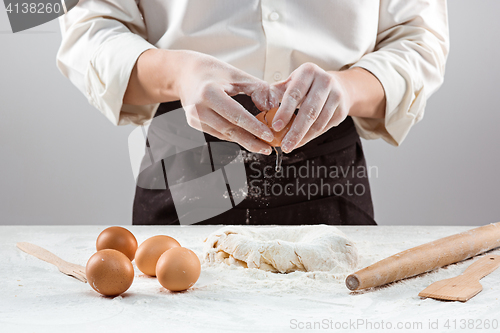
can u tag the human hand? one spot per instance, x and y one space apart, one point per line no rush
324 103
205 87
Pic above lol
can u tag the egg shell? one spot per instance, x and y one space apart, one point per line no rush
109 272
178 269
117 238
266 117
150 250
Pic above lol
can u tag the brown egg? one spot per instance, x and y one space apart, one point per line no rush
117 238
267 117
178 269
109 272
149 252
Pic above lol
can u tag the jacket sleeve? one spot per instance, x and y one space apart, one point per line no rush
409 61
101 41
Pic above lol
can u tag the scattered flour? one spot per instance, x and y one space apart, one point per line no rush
227 298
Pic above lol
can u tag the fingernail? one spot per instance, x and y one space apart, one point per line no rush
265 151
278 125
268 136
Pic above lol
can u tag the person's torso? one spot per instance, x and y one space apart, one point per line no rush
268 39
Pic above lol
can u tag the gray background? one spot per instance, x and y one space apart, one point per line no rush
62 162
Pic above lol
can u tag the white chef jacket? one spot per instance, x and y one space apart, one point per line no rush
404 43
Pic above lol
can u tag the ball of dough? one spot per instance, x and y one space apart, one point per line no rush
283 249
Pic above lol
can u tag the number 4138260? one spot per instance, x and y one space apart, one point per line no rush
34 8
471 324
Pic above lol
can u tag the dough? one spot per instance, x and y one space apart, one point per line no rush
283 249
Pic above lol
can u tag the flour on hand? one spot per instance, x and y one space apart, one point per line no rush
283 249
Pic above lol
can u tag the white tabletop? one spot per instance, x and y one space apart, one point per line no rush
35 297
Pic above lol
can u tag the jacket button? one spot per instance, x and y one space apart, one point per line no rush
274 16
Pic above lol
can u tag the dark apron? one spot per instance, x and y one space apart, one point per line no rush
322 182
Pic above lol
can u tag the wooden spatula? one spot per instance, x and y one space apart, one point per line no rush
74 270
465 286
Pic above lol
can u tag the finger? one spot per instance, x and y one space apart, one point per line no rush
320 124
296 89
229 132
248 141
235 113
277 90
252 144
309 113
194 117
338 117
210 130
274 98
257 89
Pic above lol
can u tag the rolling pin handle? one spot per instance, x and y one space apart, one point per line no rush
352 282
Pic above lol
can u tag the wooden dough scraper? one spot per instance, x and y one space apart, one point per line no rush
465 286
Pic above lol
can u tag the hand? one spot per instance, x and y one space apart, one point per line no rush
204 85
323 102
205 89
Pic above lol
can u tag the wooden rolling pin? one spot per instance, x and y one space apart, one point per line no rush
426 257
